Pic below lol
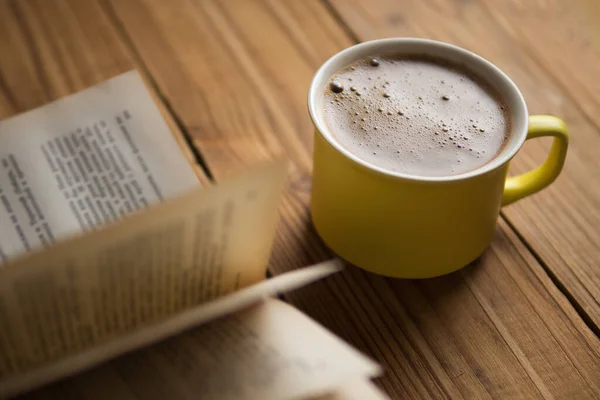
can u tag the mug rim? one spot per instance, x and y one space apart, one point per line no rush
516 104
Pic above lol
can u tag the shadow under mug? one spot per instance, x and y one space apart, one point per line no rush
407 226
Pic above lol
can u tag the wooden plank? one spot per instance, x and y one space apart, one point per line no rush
565 38
43 60
223 94
237 73
562 223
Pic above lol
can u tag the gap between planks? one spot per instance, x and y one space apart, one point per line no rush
143 69
585 317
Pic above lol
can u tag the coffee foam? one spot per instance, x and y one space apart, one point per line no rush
416 115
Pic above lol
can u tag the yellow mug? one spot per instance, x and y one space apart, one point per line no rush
408 226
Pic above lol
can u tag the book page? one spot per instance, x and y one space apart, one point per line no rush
169 326
175 255
270 351
84 161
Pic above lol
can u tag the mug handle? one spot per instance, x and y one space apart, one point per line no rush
523 185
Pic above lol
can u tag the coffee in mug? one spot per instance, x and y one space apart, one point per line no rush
413 140
415 114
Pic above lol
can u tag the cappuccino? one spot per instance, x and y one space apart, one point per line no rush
415 115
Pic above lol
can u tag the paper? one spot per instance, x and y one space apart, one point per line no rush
83 161
270 351
170 257
168 327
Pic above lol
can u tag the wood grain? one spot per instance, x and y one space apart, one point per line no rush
526 40
236 73
43 60
565 39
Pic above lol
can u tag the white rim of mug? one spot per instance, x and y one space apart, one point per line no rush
515 101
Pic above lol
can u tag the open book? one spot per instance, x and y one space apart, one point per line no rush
109 243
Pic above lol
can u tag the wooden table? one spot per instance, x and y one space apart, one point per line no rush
522 322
